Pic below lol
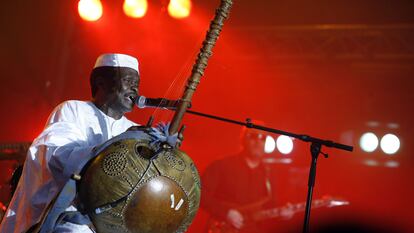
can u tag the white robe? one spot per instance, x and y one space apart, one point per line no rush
73 129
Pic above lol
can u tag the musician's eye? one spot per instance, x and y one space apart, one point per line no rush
130 81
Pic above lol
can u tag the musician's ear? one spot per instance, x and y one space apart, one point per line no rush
102 79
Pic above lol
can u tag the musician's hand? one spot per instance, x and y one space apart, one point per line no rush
161 134
235 218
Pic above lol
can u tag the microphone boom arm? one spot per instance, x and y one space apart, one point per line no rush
301 137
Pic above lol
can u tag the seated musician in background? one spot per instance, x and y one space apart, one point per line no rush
72 131
237 186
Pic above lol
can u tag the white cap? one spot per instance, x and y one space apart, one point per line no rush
117 60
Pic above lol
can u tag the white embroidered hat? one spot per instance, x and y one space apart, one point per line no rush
117 60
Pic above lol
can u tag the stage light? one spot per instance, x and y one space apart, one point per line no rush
392 164
368 142
179 8
135 8
270 144
284 144
390 144
90 10
371 163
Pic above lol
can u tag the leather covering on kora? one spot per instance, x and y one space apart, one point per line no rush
135 186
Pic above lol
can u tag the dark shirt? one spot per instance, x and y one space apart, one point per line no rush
231 184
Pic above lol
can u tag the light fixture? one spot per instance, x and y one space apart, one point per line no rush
368 142
135 8
390 144
90 10
179 8
270 144
284 144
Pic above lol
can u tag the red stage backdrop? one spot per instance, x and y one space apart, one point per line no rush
330 69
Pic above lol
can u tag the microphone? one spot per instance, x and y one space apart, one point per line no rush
144 102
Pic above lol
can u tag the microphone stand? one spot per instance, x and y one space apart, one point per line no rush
315 149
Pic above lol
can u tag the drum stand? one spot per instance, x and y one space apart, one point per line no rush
315 149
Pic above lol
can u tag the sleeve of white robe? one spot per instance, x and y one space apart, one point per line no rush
67 148
59 151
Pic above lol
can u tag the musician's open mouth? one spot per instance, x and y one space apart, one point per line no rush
131 98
